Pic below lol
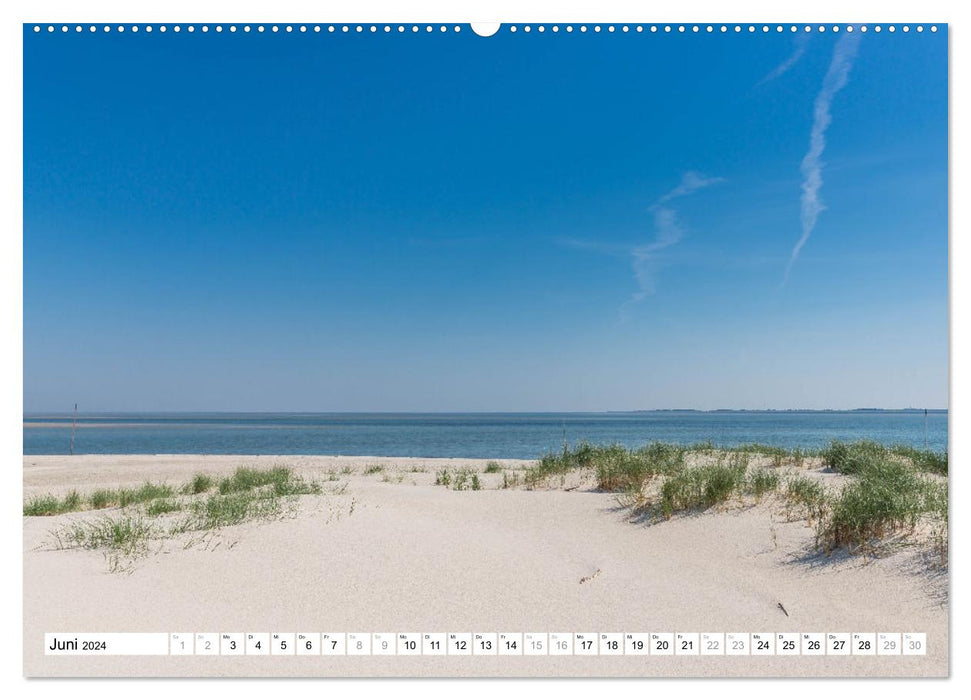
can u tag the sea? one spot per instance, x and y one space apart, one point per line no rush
466 435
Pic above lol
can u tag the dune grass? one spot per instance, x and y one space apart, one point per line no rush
807 494
247 494
887 498
123 534
200 483
761 481
622 469
854 458
702 487
96 500
549 465
161 511
221 510
757 448
863 455
120 539
890 495
281 479
145 493
778 455
47 505
102 498
157 496
892 492
162 506
617 467
924 460
459 480
509 481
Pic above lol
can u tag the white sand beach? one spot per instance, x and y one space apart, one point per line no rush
392 551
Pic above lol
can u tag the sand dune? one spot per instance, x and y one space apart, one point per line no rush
391 551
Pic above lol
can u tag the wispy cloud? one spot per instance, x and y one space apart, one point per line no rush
668 231
812 163
798 49
644 258
690 182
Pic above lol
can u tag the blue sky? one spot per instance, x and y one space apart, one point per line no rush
446 222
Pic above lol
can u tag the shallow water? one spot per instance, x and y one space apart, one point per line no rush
483 435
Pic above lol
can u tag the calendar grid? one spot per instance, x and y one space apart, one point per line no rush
476 644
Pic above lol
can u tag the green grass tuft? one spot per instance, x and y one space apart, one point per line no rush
221 510
779 455
280 480
888 497
43 505
146 492
246 495
854 458
761 481
128 535
103 498
809 494
924 460
247 479
858 457
460 480
617 468
701 487
890 489
162 506
200 484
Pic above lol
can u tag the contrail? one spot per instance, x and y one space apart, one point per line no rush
668 232
690 182
812 165
802 40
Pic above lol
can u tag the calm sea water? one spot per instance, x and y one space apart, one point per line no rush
484 435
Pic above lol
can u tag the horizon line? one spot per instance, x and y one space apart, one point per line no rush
861 409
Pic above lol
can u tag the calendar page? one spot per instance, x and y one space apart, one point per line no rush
437 349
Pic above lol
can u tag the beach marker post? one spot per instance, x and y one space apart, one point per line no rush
74 427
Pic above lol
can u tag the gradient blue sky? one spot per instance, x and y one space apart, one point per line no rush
447 222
